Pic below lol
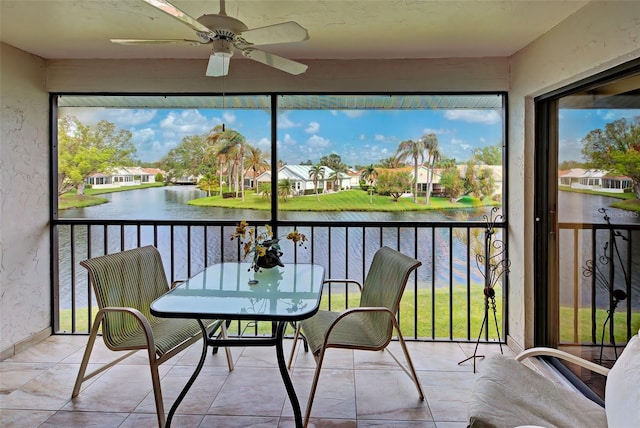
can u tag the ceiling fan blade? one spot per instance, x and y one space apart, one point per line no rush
218 65
275 61
134 42
178 14
285 32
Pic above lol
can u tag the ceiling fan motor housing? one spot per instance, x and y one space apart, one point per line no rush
222 47
221 24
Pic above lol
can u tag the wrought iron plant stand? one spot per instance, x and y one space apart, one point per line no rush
493 266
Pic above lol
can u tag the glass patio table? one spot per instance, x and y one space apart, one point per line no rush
229 291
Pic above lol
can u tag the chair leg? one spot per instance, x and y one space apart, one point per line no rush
82 372
157 390
314 386
86 357
227 349
295 342
412 374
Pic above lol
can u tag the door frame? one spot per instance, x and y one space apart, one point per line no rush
546 301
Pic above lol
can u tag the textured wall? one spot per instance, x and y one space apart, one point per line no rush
24 199
597 37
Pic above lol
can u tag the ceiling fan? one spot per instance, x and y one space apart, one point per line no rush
226 34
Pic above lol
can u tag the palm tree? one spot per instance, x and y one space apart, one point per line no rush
430 142
414 150
334 177
208 182
284 188
391 162
316 173
233 147
257 162
369 174
215 138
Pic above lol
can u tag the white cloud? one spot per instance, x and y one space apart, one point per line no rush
487 117
289 141
264 144
436 131
285 123
385 138
228 117
120 117
312 128
362 137
186 122
354 113
317 142
143 135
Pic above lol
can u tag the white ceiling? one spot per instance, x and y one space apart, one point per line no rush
338 29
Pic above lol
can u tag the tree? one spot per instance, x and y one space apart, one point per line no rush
333 161
83 149
369 175
486 182
284 188
335 177
452 183
215 139
186 159
208 182
229 146
393 183
257 161
616 149
391 162
570 164
413 150
430 142
471 183
489 155
316 173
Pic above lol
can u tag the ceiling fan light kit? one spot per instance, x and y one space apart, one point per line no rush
226 34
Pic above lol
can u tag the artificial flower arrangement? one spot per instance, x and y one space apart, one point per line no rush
262 246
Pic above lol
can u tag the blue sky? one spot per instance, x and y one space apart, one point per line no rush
576 124
360 137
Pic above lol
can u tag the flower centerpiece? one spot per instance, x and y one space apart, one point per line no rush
261 246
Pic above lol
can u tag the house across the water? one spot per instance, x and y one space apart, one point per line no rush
123 176
594 179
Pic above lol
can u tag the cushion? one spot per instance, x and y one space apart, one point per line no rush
507 393
622 392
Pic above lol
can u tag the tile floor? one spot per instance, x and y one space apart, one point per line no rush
356 389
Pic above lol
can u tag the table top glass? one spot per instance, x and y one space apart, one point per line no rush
224 291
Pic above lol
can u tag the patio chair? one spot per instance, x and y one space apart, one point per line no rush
125 284
508 393
366 327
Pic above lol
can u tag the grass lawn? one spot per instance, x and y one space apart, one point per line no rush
629 205
426 328
346 200
72 200
435 316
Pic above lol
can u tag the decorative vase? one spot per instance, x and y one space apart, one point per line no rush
269 260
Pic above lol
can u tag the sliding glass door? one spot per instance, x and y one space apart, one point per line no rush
588 217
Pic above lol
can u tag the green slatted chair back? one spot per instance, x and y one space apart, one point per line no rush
384 286
132 278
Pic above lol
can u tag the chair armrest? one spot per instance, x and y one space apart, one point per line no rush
342 281
140 318
351 311
551 352
176 282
